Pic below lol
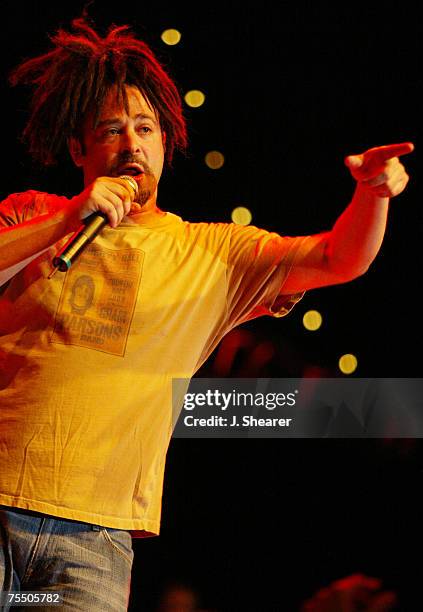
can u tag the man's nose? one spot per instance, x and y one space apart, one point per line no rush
131 141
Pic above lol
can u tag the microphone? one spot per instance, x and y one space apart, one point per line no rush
85 234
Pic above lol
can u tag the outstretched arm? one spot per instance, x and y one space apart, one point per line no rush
346 252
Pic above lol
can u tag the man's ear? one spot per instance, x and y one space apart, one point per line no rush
164 141
75 150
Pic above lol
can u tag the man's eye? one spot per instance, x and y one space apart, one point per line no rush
144 129
112 132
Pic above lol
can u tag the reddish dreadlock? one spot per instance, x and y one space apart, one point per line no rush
75 77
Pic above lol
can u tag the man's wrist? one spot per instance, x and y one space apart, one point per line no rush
70 216
365 196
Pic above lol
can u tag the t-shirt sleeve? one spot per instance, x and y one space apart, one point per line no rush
258 264
20 207
12 208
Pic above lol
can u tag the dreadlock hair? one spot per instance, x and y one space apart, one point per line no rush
74 78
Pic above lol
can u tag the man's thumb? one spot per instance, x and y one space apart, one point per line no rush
354 161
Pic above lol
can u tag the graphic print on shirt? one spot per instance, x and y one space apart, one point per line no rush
98 299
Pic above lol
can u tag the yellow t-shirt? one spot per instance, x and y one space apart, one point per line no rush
87 358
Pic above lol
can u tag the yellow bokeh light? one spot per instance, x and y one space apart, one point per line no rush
214 160
312 320
348 363
171 36
194 98
241 215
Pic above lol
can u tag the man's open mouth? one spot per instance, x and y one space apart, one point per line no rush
131 169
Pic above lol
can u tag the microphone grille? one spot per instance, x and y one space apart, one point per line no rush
132 182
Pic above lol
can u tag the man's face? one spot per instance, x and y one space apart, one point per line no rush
123 143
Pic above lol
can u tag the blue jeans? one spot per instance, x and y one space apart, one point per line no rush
89 565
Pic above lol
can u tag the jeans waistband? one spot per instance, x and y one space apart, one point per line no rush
46 516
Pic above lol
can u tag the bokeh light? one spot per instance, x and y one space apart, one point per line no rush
214 160
241 215
171 36
194 98
312 320
348 363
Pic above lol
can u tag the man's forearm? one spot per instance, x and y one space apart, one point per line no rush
23 241
358 233
346 252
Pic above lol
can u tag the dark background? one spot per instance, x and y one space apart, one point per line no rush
291 89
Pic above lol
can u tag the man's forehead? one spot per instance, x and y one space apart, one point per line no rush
137 105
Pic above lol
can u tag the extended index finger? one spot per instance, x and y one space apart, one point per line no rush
386 152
